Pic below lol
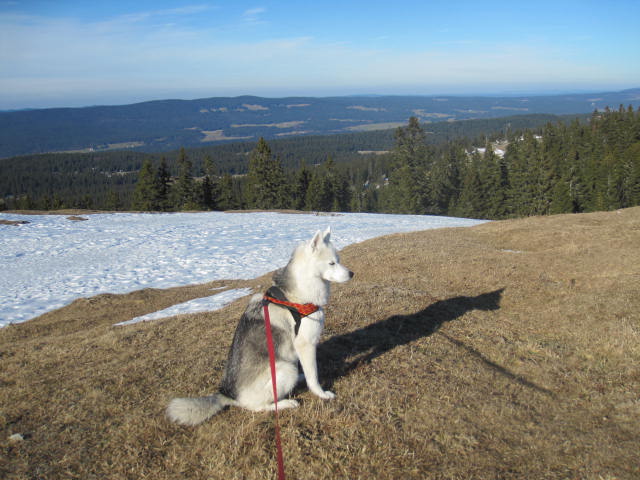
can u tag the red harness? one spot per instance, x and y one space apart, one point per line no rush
303 309
298 310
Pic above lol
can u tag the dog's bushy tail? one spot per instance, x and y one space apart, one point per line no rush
193 411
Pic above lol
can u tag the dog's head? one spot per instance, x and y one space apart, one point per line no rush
326 258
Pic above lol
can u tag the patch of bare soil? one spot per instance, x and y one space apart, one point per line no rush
65 211
508 350
13 222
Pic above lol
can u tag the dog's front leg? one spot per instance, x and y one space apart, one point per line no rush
307 354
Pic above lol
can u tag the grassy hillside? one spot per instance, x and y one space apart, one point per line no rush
507 350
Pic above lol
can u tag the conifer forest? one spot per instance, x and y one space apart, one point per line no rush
582 164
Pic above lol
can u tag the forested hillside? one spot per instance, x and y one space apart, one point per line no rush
560 168
105 179
170 124
583 165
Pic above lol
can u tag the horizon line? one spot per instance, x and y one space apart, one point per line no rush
513 93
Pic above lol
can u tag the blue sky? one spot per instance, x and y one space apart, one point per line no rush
65 53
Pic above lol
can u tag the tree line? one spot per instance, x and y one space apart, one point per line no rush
579 166
106 179
265 186
561 168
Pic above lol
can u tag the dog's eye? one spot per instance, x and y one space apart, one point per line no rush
332 263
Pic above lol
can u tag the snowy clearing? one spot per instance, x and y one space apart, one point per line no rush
51 261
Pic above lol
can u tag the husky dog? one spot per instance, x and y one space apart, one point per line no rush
247 378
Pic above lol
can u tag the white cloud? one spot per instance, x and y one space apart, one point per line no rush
169 12
253 12
253 16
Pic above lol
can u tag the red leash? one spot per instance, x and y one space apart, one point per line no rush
272 364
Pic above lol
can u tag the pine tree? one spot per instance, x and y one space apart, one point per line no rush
561 201
226 194
572 174
57 203
408 185
184 188
631 175
522 155
209 185
341 193
495 185
445 179
279 185
544 172
301 186
163 187
320 193
145 193
471 201
113 201
266 186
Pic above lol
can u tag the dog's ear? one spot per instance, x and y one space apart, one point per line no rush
315 241
327 235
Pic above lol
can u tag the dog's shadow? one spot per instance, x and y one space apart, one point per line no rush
341 354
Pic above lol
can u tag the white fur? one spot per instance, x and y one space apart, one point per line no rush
304 280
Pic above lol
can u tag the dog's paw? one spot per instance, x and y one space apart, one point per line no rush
288 403
326 395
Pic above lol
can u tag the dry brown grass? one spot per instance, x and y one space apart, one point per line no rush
63 211
507 350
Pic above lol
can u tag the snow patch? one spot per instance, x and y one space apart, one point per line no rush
49 262
197 305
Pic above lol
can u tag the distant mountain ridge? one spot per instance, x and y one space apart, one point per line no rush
169 124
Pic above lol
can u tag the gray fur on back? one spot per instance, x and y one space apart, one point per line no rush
248 356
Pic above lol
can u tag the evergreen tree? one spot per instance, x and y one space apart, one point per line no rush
163 187
302 181
445 179
561 201
495 184
209 185
184 189
631 175
145 193
25 202
226 195
56 202
357 199
279 185
407 190
266 186
572 175
369 202
341 193
471 201
85 202
113 201
521 155
329 189
320 193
